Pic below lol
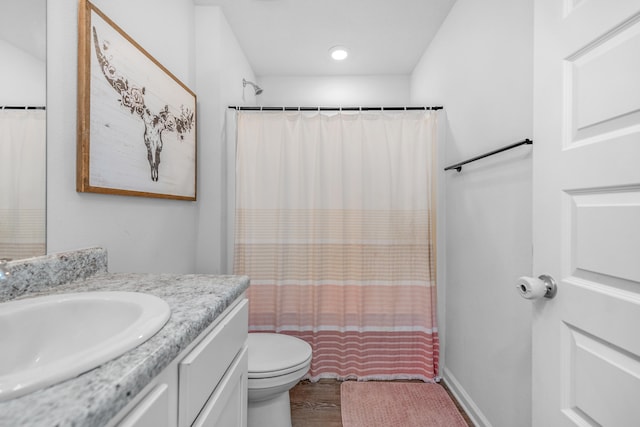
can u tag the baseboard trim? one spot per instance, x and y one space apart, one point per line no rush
475 414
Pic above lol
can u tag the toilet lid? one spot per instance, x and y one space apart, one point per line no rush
276 354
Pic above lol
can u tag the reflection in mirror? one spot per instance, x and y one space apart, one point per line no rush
22 128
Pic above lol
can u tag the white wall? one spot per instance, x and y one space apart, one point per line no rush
140 234
220 68
479 67
390 90
22 77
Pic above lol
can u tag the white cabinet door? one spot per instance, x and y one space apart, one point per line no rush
586 345
152 411
202 370
228 404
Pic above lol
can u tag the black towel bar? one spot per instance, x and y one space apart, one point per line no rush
458 166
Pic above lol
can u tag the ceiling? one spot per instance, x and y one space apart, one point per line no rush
23 24
293 37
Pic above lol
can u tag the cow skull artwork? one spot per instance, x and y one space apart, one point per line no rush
132 98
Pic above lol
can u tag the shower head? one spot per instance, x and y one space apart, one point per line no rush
256 88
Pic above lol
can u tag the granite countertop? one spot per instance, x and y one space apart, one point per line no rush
95 397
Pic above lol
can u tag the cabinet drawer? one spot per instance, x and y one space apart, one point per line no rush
201 370
152 411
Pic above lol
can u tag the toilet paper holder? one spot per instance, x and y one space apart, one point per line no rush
549 283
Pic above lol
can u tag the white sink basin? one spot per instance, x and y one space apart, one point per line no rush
48 339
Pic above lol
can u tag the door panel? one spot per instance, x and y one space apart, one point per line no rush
586 351
594 365
601 77
604 224
600 367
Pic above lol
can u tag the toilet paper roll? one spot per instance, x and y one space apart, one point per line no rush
531 287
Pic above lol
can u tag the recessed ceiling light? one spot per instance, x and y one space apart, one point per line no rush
339 53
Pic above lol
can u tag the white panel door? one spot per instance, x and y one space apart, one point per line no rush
586 341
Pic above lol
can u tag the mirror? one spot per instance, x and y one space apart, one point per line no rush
22 128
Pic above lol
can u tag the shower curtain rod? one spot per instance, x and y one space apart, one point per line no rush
15 107
239 108
458 166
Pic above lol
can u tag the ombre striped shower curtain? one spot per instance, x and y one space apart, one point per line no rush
335 228
22 183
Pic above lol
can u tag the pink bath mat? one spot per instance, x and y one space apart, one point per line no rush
373 403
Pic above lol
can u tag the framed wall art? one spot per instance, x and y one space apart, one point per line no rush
136 120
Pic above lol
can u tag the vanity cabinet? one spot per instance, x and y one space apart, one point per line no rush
206 385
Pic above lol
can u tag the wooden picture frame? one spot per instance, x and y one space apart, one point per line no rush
132 113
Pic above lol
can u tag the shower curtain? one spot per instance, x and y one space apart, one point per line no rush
22 183
335 228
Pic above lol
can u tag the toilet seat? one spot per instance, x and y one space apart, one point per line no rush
276 355
277 362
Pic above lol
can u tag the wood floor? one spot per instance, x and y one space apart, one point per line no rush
318 404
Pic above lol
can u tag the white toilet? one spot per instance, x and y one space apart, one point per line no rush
276 363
